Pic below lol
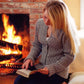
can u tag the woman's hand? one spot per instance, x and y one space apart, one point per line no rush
44 71
30 62
27 63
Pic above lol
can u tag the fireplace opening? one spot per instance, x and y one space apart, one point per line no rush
14 41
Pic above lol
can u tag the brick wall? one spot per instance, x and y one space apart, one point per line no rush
32 7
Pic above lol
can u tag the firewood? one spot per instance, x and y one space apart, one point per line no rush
11 45
7 57
11 66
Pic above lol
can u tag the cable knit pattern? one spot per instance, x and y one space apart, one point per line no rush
56 52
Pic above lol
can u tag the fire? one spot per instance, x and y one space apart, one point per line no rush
7 61
9 32
8 51
12 46
9 35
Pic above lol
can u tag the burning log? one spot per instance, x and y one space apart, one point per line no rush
11 65
7 57
9 68
11 45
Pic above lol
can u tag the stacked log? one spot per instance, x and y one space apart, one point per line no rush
7 57
18 57
11 45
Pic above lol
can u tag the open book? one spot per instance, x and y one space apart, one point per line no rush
25 73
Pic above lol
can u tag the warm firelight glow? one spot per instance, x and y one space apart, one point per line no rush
9 51
9 31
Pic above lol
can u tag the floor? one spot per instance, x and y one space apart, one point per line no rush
7 79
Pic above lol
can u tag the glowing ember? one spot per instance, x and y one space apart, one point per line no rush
9 32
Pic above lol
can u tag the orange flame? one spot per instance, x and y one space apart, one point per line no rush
7 61
9 36
8 51
9 33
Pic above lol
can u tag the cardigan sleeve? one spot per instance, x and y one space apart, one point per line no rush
65 59
36 46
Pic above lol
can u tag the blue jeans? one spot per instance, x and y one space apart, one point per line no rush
39 78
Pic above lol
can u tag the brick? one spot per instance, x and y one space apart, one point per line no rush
20 0
36 11
32 38
41 5
11 5
1 5
5 11
32 32
32 35
33 21
29 5
34 16
20 5
38 0
32 27
5 0
22 11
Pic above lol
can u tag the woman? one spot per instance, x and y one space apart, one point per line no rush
53 40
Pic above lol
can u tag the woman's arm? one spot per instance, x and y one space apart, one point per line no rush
36 46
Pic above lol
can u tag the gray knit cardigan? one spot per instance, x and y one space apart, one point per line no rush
55 52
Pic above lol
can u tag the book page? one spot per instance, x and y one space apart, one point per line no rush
24 72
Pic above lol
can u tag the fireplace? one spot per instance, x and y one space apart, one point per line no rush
14 41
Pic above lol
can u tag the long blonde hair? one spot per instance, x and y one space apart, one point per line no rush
59 17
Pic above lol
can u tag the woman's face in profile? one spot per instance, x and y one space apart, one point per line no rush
46 17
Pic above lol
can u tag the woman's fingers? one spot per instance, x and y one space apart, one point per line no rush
23 66
31 63
27 63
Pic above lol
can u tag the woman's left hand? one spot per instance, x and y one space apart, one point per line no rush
44 71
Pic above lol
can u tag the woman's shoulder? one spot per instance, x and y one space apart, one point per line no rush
40 22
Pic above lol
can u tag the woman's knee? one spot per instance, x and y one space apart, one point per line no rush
19 80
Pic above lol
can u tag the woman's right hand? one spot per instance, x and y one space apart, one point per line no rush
27 63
